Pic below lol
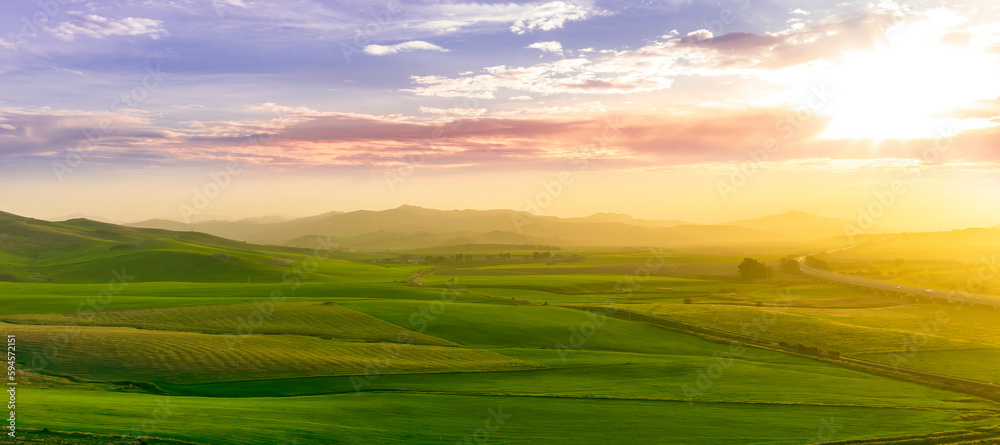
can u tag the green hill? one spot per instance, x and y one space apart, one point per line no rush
411 227
81 250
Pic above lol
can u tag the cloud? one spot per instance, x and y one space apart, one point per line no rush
695 36
516 141
303 137
67 70
222 7
823 40
336 138
98 27
620 72
460 112
46 130
520 98
520 18
547 47
655 66
416 45
549 16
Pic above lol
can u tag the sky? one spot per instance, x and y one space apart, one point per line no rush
884 112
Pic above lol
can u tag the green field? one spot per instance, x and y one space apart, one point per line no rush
325 320
278 345
99 353
446 418
943 339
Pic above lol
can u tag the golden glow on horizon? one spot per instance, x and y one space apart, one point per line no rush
907 88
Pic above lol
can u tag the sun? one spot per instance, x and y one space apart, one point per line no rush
908 88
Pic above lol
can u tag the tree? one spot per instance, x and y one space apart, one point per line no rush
789 265
751 269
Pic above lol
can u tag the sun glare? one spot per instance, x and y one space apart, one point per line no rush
908 90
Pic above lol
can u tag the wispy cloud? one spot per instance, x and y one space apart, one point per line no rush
95 26
548 47
415 45
549 16
459 112
520 18
66 70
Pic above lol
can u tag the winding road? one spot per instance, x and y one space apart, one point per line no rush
902 290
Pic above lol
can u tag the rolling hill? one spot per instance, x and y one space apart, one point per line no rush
801 225
412 227
33 250
979 245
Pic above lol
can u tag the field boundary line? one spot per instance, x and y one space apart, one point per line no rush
937 381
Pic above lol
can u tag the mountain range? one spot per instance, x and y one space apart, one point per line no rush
411 227
38 250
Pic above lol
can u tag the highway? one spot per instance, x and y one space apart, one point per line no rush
951 295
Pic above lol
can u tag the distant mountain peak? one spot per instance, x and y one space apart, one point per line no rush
610 216
81 216
266 219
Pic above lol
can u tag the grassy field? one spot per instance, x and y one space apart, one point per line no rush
349 352
944 339
790 326
47 298
325 320
760 377
53 437
981 364
445 418
945 260
100 353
